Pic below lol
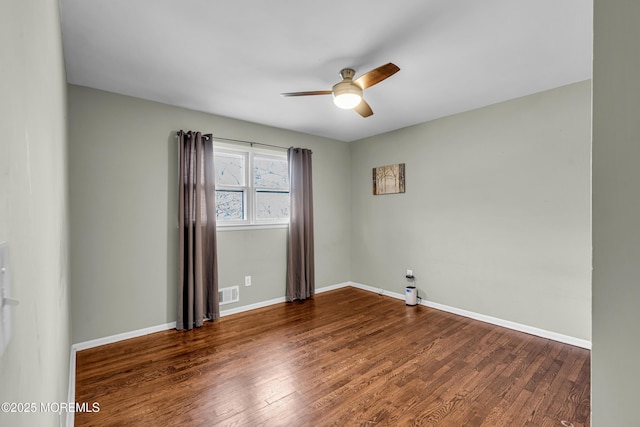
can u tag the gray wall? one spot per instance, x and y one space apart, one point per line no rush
123 196
33 206
616 213
496 214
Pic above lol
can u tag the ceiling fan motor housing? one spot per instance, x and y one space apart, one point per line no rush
346 94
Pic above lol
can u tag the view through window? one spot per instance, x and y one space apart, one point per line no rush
252 186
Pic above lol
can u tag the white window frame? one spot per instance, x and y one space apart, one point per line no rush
250 192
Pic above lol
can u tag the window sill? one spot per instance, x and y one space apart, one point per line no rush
250 227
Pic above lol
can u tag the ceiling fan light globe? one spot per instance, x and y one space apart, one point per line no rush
347 101
346 95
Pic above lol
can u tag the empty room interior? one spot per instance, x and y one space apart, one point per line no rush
493 281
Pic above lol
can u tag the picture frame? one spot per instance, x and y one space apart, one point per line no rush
389 179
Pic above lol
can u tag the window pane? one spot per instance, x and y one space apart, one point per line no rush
270 173
272 205
229 205
229 169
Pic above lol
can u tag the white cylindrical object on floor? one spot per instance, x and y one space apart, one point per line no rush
411 295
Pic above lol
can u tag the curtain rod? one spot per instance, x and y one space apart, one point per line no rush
252 143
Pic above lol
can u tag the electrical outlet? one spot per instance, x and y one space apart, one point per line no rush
247 280
409 272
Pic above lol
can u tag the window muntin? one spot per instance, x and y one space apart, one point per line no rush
252 187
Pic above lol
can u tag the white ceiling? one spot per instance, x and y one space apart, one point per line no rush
234 58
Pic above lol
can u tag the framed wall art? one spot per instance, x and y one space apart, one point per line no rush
388 179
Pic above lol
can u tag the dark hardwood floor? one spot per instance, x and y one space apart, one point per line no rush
346 358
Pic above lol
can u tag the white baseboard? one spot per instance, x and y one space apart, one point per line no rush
277 300
250 307
566 339
71 393
333 287
378 291
123 336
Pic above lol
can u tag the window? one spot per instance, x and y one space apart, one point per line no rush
252 186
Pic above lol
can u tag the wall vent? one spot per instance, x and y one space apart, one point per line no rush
229 295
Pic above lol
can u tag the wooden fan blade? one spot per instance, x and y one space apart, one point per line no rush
313 92
377 75
363 109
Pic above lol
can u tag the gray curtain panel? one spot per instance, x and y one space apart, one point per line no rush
198 266
300 258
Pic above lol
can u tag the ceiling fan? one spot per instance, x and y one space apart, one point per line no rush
347 94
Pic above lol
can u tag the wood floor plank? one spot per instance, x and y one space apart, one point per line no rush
346 357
